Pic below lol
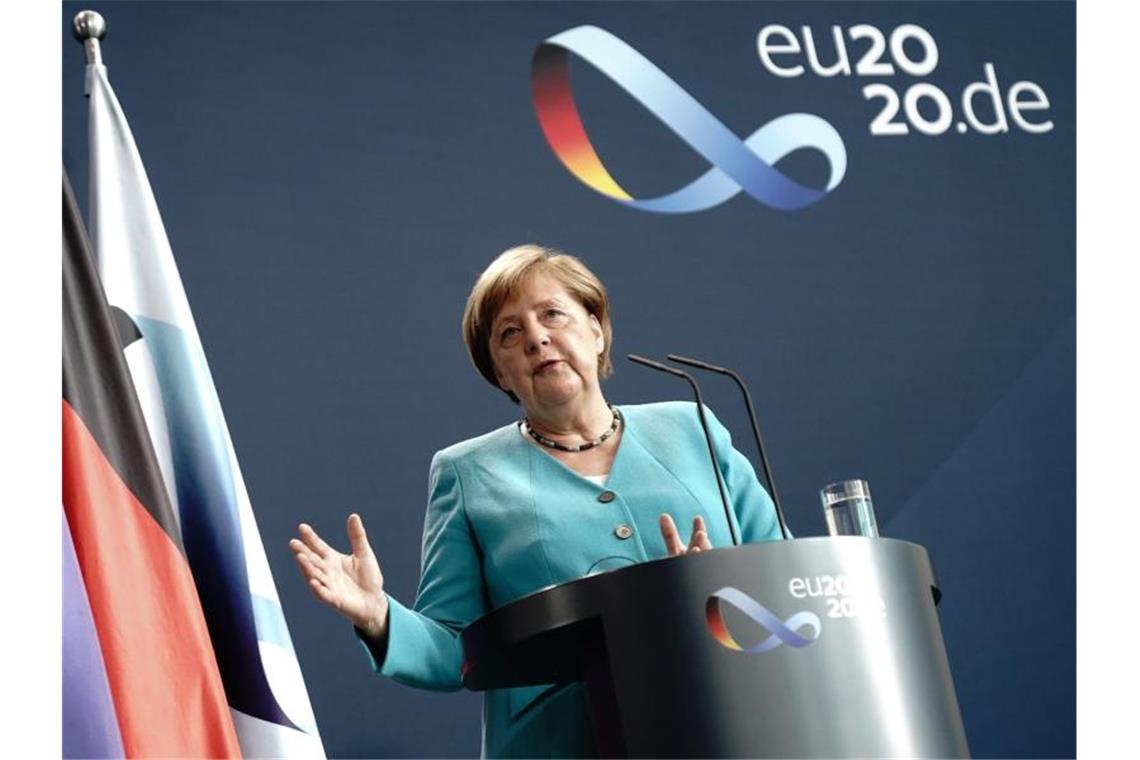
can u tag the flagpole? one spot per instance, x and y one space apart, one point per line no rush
89 27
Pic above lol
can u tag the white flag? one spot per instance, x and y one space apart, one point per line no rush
259 668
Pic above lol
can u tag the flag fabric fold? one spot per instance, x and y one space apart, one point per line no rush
90 727
140 675
263 683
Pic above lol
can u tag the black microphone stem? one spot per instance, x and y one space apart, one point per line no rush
704 426
755 429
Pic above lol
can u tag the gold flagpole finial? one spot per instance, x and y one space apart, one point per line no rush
89 27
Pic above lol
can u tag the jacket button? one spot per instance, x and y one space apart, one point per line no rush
623 531
606 497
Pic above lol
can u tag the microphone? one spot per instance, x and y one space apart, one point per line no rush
764 465
704 426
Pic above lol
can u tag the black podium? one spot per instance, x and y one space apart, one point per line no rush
815 647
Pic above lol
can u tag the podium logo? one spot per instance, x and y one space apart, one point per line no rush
780 631
736 165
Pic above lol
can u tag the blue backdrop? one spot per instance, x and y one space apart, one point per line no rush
334 176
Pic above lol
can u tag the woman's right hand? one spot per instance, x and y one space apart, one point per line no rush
351 584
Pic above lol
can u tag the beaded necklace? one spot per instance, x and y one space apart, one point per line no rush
581 446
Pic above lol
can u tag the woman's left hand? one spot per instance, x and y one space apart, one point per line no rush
698 541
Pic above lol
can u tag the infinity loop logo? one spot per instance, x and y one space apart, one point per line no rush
782 631
736 164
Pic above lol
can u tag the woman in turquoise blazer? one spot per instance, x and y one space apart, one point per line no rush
577 487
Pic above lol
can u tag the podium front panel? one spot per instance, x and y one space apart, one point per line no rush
817 647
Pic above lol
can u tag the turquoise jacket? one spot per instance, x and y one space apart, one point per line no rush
505 519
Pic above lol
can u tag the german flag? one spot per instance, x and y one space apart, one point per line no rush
158 663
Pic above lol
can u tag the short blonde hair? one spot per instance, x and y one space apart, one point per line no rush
501 281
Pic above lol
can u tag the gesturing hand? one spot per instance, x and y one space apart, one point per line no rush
351 584
698 541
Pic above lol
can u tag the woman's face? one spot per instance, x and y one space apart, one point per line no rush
545 345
